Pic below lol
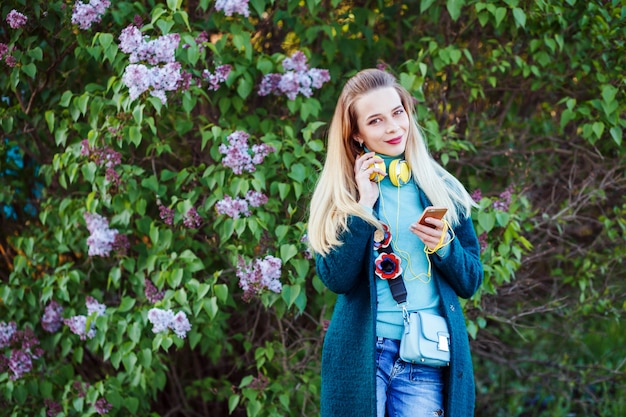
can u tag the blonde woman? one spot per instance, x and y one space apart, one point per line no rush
377 180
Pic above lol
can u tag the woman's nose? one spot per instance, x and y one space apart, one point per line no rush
392 128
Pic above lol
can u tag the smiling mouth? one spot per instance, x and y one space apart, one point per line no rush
395 141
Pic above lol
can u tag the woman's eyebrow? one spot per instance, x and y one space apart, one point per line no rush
380 114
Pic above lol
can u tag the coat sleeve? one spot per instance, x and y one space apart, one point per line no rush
461 267
341 269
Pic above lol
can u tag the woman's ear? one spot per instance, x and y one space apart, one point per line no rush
358 140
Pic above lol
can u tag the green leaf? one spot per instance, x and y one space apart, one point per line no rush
105 39
454 8
233 402
616 134
486 220
298 173
244 88
89 171
287 252
126 304
500 14
519 16
49 115
66 97
425 4
134 134
30 70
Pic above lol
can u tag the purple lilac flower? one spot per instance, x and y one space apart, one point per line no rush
101 238
24 349
85 15
7 330
237 153
477 195
192 219
298 78
382 66
260 152
102 406
10 60
157 80
237 156
307 251
233 6
505 199
166 214
80 388
52 407
52 319
4 49
16 19
160 319
152 51
482 240
163 320
121 244
220 76
296 62
94 307
180 324
240 206
151 292
101 156
202 38
269 84
259 275
233 207
20 363
78 324
184 82
138 21
256 198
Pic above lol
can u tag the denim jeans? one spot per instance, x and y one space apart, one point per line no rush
404 389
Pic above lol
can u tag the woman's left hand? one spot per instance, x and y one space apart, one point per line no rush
430 235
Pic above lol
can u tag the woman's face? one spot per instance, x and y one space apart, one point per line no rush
382 122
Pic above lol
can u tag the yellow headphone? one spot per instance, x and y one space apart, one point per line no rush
399 172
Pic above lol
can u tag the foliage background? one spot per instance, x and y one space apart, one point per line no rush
522 100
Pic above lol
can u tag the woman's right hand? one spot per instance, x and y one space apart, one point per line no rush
364 167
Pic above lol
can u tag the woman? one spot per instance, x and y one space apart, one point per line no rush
362 373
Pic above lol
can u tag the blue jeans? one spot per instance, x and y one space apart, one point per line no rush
404 389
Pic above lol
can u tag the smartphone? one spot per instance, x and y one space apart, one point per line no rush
436 212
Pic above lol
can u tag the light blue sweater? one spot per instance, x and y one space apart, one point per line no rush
398 208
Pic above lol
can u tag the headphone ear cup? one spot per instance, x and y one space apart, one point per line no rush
399 172
376 176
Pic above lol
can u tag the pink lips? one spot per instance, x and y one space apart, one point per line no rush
395 141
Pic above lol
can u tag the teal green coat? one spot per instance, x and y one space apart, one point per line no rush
348 356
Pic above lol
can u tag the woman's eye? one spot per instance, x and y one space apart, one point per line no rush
374 121
399 111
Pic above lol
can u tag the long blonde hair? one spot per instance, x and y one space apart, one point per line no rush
336 195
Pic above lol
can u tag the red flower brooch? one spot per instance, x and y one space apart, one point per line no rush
382 238
388 266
